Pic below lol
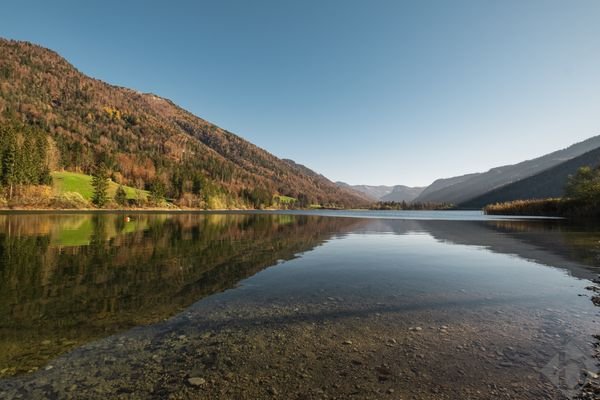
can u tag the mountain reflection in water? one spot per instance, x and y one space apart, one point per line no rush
67 280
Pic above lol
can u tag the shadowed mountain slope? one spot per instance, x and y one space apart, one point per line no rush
460 190
547 184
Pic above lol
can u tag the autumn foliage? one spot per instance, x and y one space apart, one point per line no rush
144 140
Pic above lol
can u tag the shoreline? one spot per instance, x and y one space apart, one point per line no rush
152 210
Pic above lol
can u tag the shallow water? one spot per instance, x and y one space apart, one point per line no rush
286 305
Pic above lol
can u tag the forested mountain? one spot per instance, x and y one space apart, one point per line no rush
144 140
547 184
460 190
397 193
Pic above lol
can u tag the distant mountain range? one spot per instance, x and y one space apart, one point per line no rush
402 193
541 177
396 193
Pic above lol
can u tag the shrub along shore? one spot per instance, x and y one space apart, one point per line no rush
582 200
567 208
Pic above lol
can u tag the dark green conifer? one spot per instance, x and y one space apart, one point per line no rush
100 185
121 196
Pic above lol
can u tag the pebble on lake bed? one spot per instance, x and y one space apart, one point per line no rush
196 381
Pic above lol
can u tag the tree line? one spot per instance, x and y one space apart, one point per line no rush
27 154
23 157
404 205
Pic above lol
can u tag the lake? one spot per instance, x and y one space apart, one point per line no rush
295 305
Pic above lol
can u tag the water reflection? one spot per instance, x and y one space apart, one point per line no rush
66 280
555 243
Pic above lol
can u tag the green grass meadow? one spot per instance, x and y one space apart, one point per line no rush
64 181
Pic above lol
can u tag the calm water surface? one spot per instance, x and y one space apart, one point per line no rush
295 305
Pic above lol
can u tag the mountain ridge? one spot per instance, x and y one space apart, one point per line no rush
146 141
549 183
458 190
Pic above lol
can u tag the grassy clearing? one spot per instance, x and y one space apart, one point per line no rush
81 230
284 199
77 235
64 181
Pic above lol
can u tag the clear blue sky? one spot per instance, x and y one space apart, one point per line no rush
376 92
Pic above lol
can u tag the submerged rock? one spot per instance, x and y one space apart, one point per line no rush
196 381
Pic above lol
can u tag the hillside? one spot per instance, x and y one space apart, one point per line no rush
402 193
547 184
147 142
471 186
443 183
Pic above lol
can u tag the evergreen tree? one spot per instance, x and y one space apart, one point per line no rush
100 185
28 162
9 159
177 184
157 192
45 178
197 183
41 156
121 196
303 200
